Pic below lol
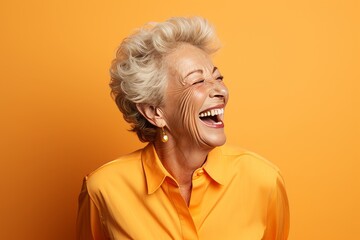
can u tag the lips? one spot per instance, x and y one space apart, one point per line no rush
212 117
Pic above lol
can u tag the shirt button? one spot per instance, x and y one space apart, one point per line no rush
200 172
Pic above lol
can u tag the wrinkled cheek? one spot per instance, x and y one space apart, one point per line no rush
189 115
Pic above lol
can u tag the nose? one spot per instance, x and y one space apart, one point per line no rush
218 90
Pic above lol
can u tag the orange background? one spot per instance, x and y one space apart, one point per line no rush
292 68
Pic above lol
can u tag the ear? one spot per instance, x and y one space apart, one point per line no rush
153 114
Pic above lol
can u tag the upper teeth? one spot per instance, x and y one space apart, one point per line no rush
212 112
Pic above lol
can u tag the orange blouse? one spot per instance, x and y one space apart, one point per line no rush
235 195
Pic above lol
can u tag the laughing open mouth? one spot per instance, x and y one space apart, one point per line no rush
212 118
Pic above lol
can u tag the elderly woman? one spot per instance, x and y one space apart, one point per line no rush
184 184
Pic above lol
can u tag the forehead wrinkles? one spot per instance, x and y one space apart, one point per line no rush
189 71
180 63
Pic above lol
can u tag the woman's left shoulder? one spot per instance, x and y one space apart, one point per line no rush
249 162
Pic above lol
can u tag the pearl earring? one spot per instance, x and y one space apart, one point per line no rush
164 137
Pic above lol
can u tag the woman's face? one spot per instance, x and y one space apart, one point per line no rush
195 99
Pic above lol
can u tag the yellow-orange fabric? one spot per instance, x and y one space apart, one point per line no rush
235 195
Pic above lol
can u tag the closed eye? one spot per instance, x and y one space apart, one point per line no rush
199 81
220 78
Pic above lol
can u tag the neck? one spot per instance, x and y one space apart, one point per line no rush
181 161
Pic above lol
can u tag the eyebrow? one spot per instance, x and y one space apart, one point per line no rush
197 70
200 71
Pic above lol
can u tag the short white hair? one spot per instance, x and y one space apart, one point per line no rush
138 73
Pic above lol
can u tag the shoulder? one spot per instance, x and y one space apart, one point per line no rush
119 170
249 164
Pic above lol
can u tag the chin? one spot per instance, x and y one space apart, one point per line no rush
212 137
215 141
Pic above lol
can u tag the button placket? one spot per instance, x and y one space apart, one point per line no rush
187 225
199 185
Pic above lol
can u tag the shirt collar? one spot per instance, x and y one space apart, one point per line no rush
216 167
155 172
